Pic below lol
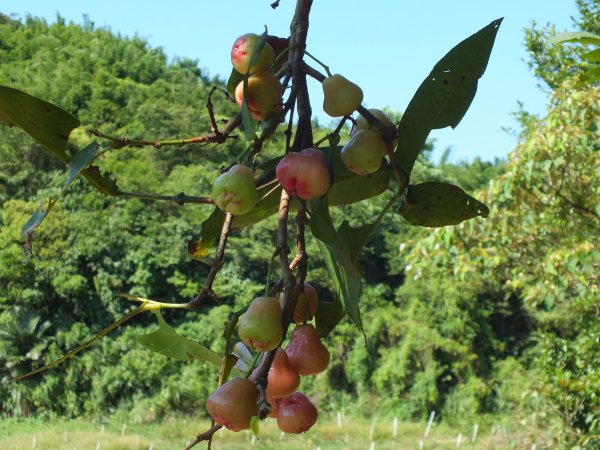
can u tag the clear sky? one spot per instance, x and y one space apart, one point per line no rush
386 46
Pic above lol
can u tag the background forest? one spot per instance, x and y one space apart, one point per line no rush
498 316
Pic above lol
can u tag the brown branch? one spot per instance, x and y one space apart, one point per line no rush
216 266
217 137
203 436
180 198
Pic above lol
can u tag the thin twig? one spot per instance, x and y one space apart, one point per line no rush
216 265
216 137
203 436
180 198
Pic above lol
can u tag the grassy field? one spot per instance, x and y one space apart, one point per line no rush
172 434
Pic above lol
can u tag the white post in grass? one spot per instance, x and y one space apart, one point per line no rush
281 435
533 446
33 442
65 435
101 428
458 440
339 419
474 435
395 428
372 430
98 445
123 429
421 444
151 446
372 446
429 423
253 440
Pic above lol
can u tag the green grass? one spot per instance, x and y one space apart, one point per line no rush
171 434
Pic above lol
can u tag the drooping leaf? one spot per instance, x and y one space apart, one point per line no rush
38 216
50 126
78 163
46 123
356 237
345 275
437 204
582 37
168 343
328 315
209 230
255 426
445 95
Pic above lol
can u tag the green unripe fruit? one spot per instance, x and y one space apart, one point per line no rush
234 191
341 97
362 154
242 51
260 326
263 95
363 124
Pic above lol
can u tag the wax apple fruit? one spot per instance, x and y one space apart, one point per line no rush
283 379
363 124
341 97
242 51
234 191
296 414
306 307
363 153
304 174
233 404
306 352
260 326
263 95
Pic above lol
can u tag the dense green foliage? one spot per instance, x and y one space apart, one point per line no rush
494 316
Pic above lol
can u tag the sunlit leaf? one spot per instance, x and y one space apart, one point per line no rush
50 126
582 37
437 204
255 426
168 343
593 56
46 123
445 95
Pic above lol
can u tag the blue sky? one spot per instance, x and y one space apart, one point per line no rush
386 46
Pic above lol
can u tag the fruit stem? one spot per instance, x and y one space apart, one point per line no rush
180 198
319 62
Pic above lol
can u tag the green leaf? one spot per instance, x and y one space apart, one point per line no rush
582 37
593 56
437 204
328 315
345 275
209 230
255 426
234 79
50 126
38 216
445 95
78 163
591 75
168 343
356 238
46 123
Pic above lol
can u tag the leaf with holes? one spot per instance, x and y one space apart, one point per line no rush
437 204
445 95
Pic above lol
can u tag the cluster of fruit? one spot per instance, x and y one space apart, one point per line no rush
235 403
306 175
